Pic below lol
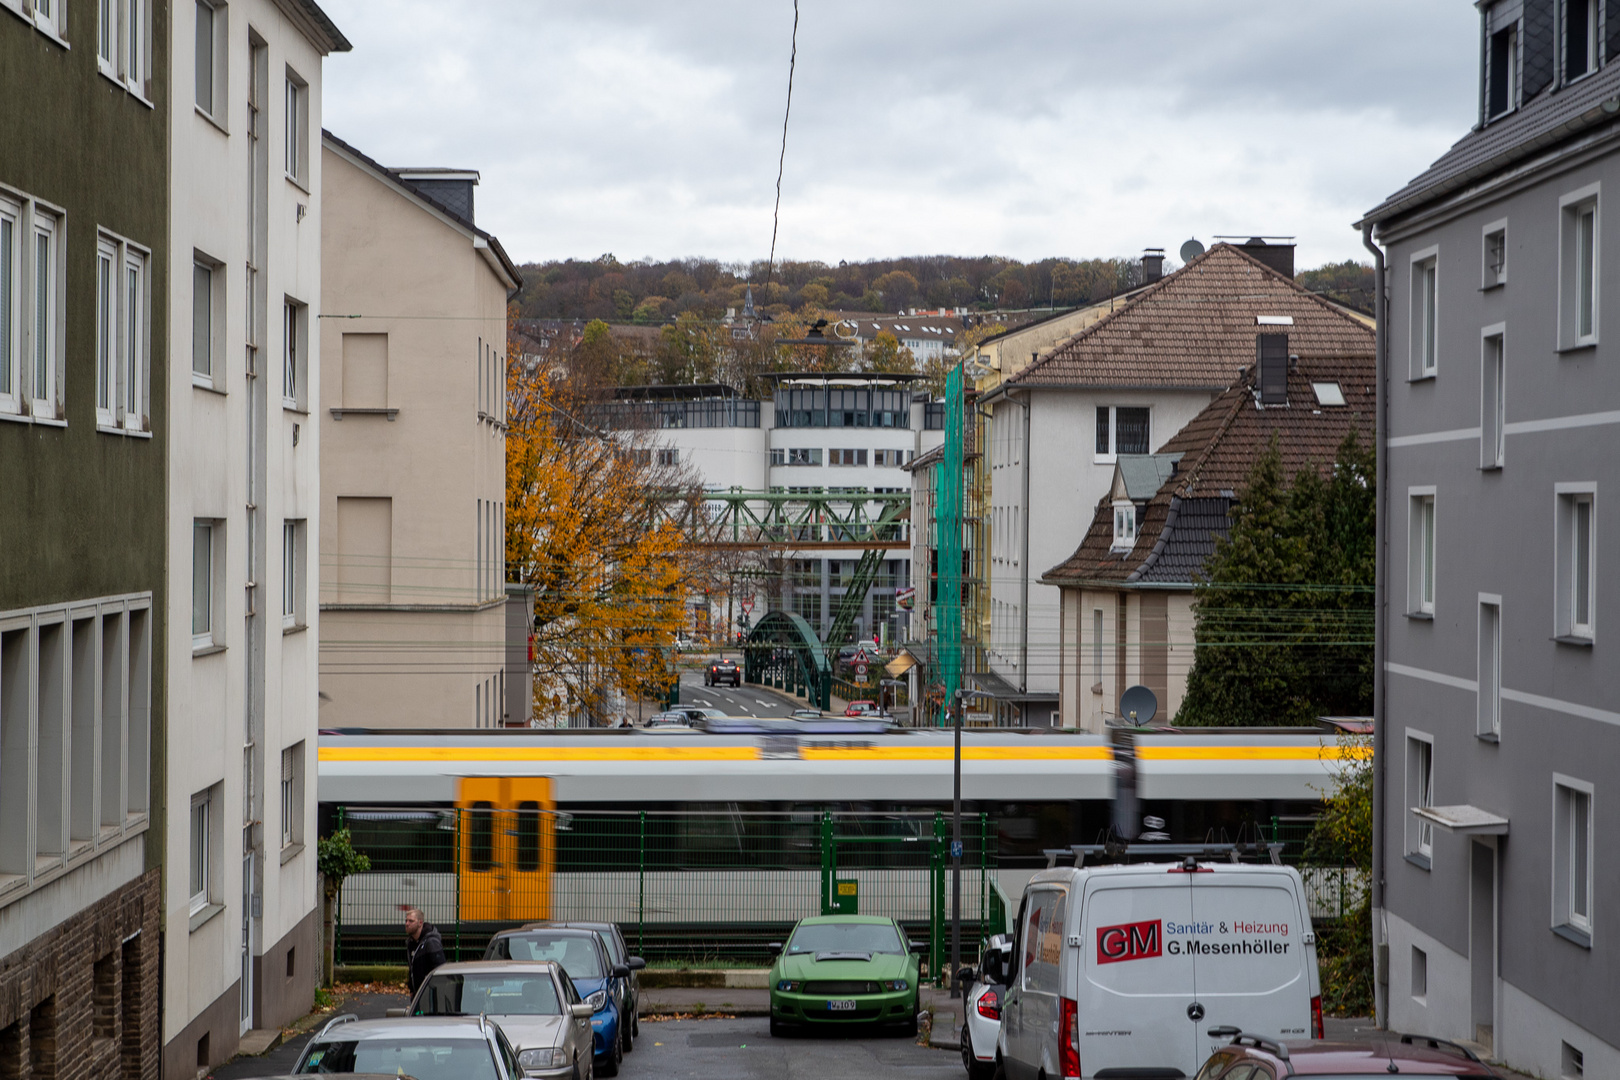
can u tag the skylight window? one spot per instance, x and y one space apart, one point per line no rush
1328 393
1274 320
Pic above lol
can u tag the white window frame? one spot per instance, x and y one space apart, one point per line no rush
106 332
1423 559
135 45
1425 314
45 330
1580 286
217 107
292 798
1572 897
107 24
1592 45
296 147
294 575
11 305
294 355
1112 455
134 338
48 16
1488 677
1493 274
200 866
1568 626
1419 794
1124 525
210 573
1493 396
207 302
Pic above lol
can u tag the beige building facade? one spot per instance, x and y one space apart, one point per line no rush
413 457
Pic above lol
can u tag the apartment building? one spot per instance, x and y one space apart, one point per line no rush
241 376
1495 914
1122 386
83 443
413 450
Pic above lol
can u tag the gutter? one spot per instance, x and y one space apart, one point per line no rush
1380 823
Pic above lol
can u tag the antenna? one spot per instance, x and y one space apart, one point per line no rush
1191 250
1139 705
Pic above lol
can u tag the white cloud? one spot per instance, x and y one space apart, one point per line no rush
1024 129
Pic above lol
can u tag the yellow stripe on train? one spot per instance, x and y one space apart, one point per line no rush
814 752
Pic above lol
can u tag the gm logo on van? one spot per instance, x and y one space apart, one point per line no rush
1130 941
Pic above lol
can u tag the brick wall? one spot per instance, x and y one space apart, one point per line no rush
81 1000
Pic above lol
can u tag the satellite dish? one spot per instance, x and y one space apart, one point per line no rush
1191 250
1139 705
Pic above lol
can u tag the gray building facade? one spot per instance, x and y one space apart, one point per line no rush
1497 893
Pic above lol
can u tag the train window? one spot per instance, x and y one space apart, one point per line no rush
481 837
528 836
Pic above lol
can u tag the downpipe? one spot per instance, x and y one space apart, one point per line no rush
1380 937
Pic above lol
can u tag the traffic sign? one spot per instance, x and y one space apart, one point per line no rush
956 849
860 670
860 656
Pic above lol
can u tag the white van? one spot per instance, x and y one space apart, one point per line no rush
1122 970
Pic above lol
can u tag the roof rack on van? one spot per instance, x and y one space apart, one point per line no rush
1124 852
1275 1047
1440 1044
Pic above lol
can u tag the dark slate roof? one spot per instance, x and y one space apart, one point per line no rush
1195 329
1218 448
1551 117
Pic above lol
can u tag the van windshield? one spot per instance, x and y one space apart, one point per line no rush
425 1059
578 955
846 937
498 995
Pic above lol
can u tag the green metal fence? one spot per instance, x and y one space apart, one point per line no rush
686 886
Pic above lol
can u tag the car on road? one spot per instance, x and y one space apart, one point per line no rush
808 714
584 956
1110 962
1262 1057
722 670
619 954
670 718
427 1048
844 969
696 714
983 1009
536 1005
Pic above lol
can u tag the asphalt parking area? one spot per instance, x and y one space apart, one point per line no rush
743 1049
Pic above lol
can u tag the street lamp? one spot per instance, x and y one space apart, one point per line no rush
956 844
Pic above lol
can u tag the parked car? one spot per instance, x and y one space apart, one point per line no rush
1138 950
983 1022
848 653
585 957
722 671
863 708
842 969
1402 1055
618 953
684 643
696 714
536 1005
808 714
428 1048
670 718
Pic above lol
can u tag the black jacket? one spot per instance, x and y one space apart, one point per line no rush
423 955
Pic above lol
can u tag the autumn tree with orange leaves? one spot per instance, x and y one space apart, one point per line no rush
587 529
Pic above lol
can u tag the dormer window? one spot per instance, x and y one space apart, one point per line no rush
1125 513
1502 75
1580 38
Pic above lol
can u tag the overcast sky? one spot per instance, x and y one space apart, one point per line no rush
1024 128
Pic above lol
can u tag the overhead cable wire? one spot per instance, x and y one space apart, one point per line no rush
781 161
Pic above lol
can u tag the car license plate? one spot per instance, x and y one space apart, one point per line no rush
846 1005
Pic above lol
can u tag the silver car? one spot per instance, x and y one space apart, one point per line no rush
440 1048
534 1002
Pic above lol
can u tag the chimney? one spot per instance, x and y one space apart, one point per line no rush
450 188
1152 265
1278 256
1271 360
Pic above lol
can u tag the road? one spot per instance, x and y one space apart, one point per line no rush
745 700
743 1049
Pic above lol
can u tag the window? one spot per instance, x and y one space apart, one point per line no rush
297 155
1577 542
1421 541
10 302
1489 707
48 16
46 307
211 39
1578 269
106 339
292 795
201 841
1494 255
133 342
294 361
1492 400
1420 973
888 459
1419 795
205 564
1097 646
1124 526
1121 431
123 342
846 457
669 456
207 321
1502 93
802 455
293 582
107 36
1425 313
1572 855
1580 38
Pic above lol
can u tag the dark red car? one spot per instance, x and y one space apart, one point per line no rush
1255 1057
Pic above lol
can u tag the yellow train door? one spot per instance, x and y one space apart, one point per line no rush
506 850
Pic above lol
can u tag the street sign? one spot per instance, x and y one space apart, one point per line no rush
860 670
904 598
956 849
860 657
747 608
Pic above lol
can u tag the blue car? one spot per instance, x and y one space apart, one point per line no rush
583 955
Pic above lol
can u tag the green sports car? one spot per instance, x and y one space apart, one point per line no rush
842 969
